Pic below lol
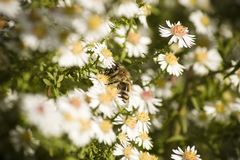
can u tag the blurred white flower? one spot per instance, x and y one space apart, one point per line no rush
204 60
235 78
10 8
136 43
42 112
179 34
193 4
187 154
169 62
73 53
93 5
126 8
200 118
203 23
104 131
93 28
128 152
23 140
104 54
143 121
123 138
218 111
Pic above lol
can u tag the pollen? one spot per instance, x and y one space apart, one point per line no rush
122 137
188 155
94 22
68 117
179 30
108 96
128 151
131 122
205 20
106 53
85 124
143 116
77 47
39 30
144 136
133 37
171 59
144 156
220 108
146 95
106 126
102 78
201 56
75 101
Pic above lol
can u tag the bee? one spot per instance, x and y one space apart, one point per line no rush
120 77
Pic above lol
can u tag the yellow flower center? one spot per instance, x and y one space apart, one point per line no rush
106 126
74 9
106 53
75 101
39 30
146 95
68 117
144 136
102 78
201 56
144 156
146 9
94 22
153 157
85 124
133 37
128 151
178 30
203 116
122 137
205 20
77 47
171 59
143 116
220 108
193 2
41 109
131 122
109 96
189 156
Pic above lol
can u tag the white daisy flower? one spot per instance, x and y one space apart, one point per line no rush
104 54
218 111
146 156
83 132
144 11
10 8
104 131
93 27
104 99
128 152
143 100
123 138
136 43
93 5
179 34
170 62
99 79
144 141
203 23
204 60
73 107
129 125
235 108
190 153
23 140
42 113
143 121
126 8
74 53
200 118
37 32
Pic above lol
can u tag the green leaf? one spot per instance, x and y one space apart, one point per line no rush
47 82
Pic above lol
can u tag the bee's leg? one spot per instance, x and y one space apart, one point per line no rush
113 82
